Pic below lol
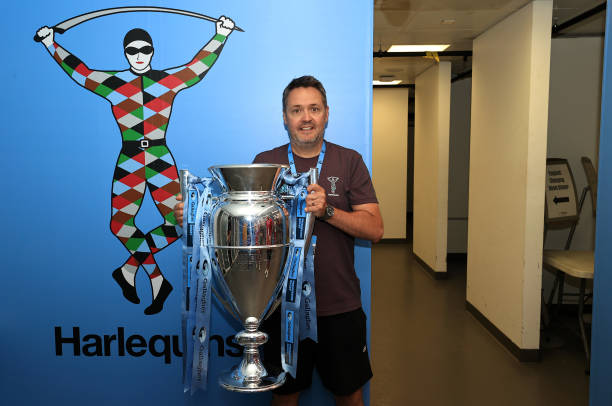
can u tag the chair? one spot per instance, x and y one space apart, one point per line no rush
578 264
591 175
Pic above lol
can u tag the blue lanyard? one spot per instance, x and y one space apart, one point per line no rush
292 163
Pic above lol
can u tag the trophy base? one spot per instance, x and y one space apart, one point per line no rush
250 375
235 382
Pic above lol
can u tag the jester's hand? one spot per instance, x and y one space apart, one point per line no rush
225 26
46 34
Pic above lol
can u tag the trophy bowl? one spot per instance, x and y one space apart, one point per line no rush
249 241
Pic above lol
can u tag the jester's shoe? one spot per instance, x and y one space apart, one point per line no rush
129 291
158 302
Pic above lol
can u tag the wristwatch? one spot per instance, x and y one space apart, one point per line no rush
329 213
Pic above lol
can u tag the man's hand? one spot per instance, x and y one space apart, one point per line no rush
178 210
225 26
364 221
46 34
316 201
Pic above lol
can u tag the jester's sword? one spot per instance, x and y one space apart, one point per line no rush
74 21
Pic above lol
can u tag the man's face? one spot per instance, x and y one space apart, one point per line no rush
305 116
139 54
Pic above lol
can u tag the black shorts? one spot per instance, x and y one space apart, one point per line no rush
340 356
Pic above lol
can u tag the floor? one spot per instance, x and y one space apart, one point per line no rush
427 350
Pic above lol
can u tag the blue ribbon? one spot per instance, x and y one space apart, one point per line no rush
191 200
308 306
200 294
300 276
292 305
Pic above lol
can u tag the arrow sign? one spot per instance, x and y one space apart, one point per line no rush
558 200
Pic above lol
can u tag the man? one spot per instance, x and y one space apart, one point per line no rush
141 100
346 208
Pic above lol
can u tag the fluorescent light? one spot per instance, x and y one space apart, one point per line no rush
418 48
393 82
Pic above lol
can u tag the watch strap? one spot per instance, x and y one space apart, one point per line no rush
329 213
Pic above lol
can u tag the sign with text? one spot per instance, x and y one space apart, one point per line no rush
561 202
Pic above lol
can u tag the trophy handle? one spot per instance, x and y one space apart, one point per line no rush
184 182
314 175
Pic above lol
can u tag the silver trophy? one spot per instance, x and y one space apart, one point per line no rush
249 244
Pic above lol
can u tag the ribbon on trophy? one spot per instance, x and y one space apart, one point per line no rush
197 278
308 306
300 278
200 295
190 196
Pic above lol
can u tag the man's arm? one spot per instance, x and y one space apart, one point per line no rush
201 63
363 222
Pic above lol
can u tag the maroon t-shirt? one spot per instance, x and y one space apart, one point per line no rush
347 182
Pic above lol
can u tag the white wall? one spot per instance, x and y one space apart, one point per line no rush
431 138
389 157
573 131
573 121
510 77
459 165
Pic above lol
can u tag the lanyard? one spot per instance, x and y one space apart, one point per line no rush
292 163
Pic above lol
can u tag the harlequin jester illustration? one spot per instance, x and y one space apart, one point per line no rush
141 98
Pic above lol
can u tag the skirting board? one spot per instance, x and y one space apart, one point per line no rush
520 354
430 271
456 257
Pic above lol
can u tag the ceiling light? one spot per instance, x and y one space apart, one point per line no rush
393 82
418 48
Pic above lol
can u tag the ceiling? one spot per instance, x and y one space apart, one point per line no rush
456 22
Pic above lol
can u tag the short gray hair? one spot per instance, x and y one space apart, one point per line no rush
304 81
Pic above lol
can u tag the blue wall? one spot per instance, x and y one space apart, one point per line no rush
61 145
601 357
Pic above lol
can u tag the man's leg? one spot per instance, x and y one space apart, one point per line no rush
289 393
285 400
342 357
354 399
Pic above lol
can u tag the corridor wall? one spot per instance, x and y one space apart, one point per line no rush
389 157
573 122
507 159
459 165
431 138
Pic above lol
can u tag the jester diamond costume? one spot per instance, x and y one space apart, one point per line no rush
141 104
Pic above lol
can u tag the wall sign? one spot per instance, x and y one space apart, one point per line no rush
561 201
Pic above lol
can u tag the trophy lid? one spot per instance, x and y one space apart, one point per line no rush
248 178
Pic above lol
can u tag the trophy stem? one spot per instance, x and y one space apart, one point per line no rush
250 375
